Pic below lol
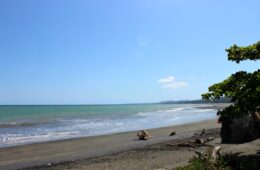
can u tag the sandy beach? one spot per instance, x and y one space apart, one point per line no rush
94 149
123 150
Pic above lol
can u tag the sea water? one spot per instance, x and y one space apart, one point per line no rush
31 124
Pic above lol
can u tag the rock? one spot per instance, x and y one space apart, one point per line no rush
172 133
199 141
143 135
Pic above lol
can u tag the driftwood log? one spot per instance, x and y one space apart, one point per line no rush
143 135
194 144
203 132
215 154
200 141
172 133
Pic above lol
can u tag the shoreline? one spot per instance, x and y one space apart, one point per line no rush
100 135
34 139
89 147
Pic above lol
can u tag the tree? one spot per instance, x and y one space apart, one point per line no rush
237 54
242 87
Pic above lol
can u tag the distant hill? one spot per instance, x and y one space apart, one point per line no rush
199 101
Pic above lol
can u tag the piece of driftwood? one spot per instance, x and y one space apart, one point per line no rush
197 143
182 144
216 153
172 133
143 135
210 139
193 145
203 132
187 144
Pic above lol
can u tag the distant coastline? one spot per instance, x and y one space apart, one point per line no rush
198 101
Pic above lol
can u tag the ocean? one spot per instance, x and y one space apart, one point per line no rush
31 124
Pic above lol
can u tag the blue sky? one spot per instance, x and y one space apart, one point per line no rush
119 51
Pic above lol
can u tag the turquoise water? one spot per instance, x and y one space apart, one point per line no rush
30 124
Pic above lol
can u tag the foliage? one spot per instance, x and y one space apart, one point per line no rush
220 100
228 161
244 90
238 54
242 87
205 162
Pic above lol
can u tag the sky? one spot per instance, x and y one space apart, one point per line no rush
120 51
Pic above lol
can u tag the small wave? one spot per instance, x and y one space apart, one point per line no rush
142 114
172 110
205 110
27 123
17 124
11 139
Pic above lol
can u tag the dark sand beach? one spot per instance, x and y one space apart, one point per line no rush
121 151
105 151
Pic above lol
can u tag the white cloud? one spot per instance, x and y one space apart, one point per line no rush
168 79
171 83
